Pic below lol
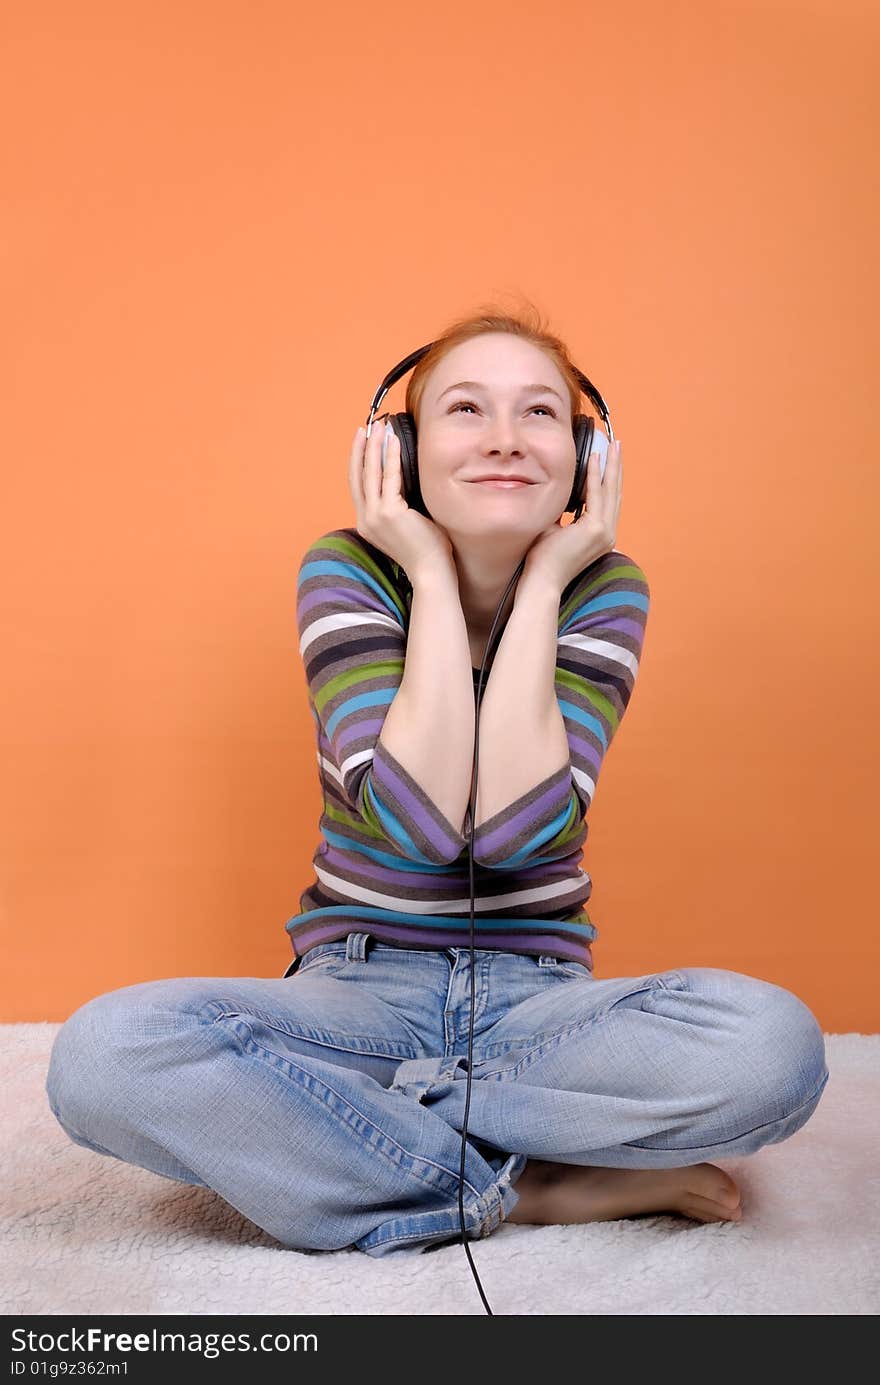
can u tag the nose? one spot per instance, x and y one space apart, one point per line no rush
503 437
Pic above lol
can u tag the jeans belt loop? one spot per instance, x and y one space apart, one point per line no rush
356 947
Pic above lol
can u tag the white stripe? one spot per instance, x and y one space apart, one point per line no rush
614 652
586 785
345 620
347 765
356 894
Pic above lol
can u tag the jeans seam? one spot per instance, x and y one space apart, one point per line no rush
330 1039
743 1134
526 1059
276 1059
482 1216
544 1041
489 1213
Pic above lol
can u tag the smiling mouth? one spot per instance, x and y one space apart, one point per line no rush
502 485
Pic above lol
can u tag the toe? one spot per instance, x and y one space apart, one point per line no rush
725 1190
710 1208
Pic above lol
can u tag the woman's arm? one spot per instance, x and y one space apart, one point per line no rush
429 726
523 739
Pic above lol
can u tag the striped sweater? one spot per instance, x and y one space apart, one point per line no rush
389 862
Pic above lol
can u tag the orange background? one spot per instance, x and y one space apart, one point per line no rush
223 224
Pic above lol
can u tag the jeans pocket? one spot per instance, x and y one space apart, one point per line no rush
327 957
564 966
575 971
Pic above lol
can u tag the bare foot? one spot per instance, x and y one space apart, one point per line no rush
561 1194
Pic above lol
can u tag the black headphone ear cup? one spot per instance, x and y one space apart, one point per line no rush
583 428
404 426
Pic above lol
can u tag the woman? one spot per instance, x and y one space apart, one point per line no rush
327 1106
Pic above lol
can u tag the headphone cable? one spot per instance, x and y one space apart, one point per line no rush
471 813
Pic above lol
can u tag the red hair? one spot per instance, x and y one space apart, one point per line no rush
527 324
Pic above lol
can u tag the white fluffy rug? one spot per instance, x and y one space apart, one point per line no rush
83 1233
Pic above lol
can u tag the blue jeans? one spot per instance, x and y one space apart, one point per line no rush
327 1106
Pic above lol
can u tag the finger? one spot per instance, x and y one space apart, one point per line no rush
390 464
372 468
356 466
363 449
611 485
386 436
618 499
615 457
609 470
594 482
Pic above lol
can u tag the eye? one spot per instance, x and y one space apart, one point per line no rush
469 404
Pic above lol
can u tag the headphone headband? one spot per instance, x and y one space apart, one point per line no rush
583 430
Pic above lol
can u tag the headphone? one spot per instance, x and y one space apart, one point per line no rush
403 425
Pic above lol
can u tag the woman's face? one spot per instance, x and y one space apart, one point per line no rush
515 420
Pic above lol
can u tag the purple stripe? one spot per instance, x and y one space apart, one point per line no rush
361 870
349 596
588 752
355 730
528 815
625 624
385 776
435 939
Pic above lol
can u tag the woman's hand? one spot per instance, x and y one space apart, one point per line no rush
384 518
561 552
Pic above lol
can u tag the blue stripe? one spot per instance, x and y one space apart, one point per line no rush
367 912
323 568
